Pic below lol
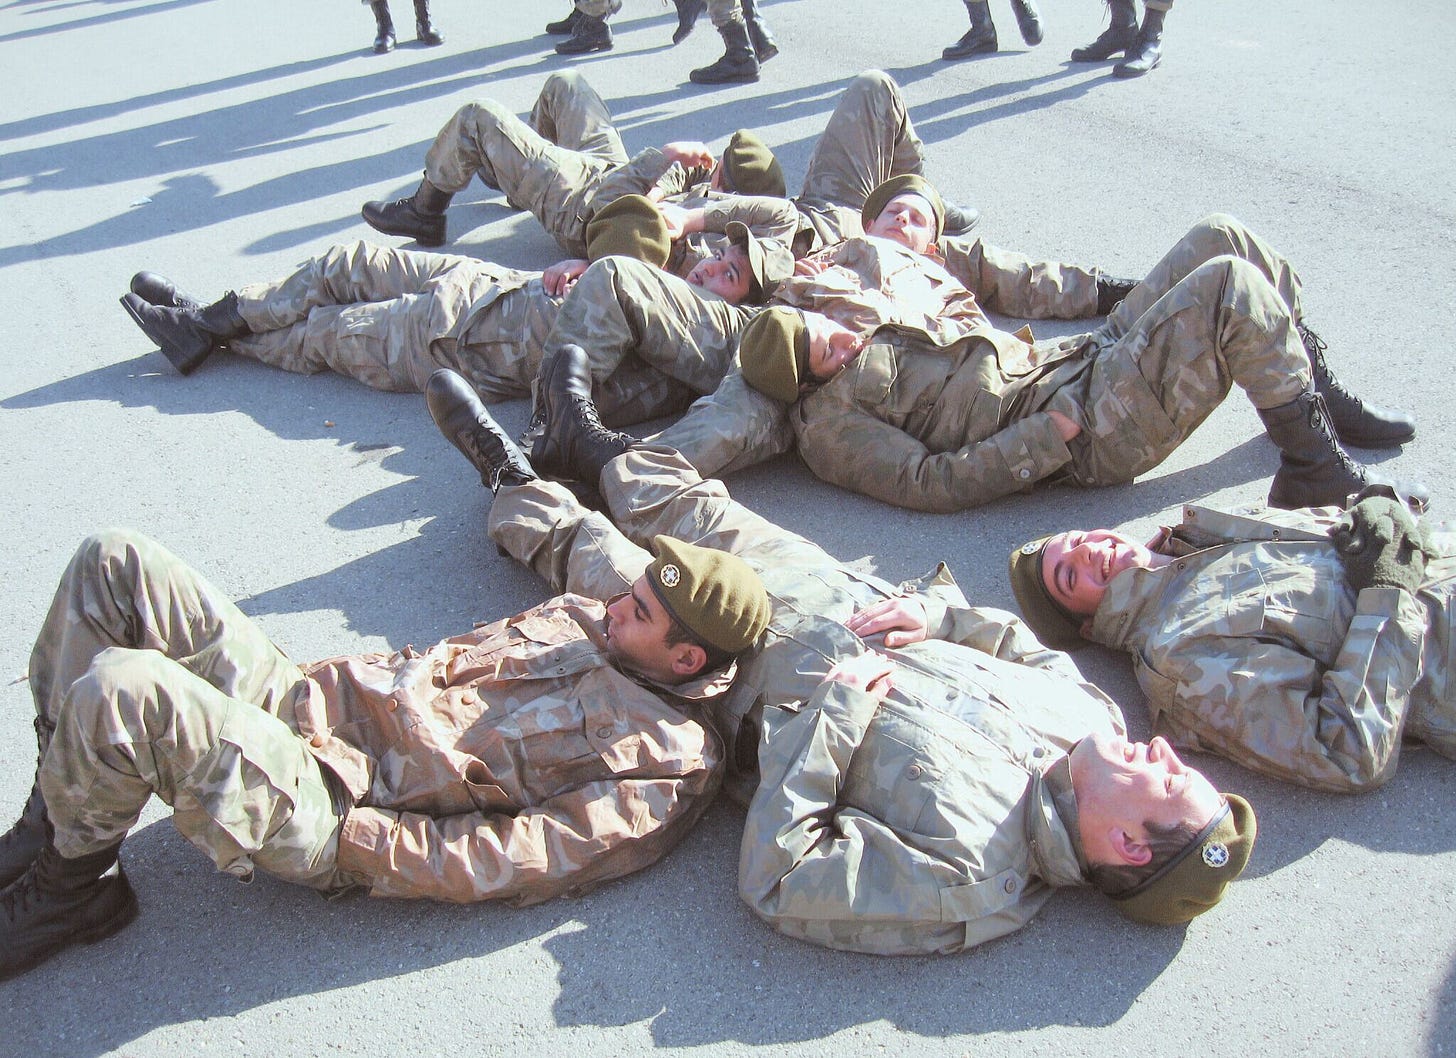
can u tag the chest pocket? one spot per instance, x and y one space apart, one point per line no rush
1230 605
876 374
979 900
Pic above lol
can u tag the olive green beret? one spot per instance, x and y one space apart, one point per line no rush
713 594
769 261
774 353
905 184
1053 625
631 226
751 168
1194 879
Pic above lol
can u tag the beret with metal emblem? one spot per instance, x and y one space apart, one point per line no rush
773 353
630 226
1195 878
769 261
1053 625
905 184
716 596
751 168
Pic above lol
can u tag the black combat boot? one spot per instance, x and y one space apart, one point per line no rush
1314 471
187 337
1111 290
959 220
764 45
58 902
157 289
1028 20
21 844
566 26
420 216
738 63
462 418
573 443
384 41
1143 54
591 34
425 33
980 39
1118 36
1356 422
688 13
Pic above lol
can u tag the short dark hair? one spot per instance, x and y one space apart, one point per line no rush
677 632
1165 841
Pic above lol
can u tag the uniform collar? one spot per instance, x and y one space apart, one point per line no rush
1055 848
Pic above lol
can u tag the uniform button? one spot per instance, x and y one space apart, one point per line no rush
1023 473
913 771
603 732
1038 752
1010 885
316 741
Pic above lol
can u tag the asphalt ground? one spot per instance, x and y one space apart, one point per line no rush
222 142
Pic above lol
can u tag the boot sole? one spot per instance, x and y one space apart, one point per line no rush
584 51
124 916
184 364
743 78
1369 441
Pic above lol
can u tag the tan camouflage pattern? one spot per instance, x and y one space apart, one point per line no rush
1252 646
599 8
722 12
947 429
513 762
925 827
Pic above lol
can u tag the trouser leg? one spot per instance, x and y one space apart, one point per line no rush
544 527
733 427
1217 235
571 114
1223 324
869 138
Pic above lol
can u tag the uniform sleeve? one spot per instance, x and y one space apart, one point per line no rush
767 218
998 633
571 842
733 427
641 173
1015 285
846 446
828 873
1274 709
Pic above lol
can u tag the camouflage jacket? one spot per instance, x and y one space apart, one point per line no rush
1252 646
941 429
511 762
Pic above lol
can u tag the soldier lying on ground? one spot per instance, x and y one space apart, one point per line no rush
1303 644
905 796
531 757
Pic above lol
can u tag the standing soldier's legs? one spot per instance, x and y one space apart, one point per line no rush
590 31
570 114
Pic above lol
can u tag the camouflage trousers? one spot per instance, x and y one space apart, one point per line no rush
723 12
870 138
549 168
599 8
152 682
1204 319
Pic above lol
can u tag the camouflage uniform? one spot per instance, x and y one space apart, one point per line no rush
870 138
971 423
570 161
599 8
931 823
1252 646
511 762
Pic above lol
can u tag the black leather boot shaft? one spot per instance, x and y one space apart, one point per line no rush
737 63
573 443
59 902
425 33
157 289
980 39
1111 290
384 39
1356 422
688 13
466 424
420 216
1118 36
21 844
764 45
590 34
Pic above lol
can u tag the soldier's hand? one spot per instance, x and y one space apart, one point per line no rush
689 154
1067 427
562 276
869 672
810 266
680 221
901 618
1382 545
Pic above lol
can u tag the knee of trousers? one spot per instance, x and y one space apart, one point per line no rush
1219 233
874 86
116 699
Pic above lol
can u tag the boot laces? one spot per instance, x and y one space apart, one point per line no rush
1314 348
1319 420
590 423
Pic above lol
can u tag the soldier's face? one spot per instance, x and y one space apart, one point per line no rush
1122 786
831 346
637 627
908 220
1077 566
725 274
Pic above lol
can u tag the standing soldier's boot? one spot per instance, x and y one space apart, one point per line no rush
688 13
420 216
1147 51
58 902
566 26
573 443
1356 422
1118 36
738 62
187 337
980 39
1028 20
463 419
591 34
1314 471
384 40
425 33
21 844
764 45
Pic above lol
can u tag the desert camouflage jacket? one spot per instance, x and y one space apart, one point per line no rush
1252 646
